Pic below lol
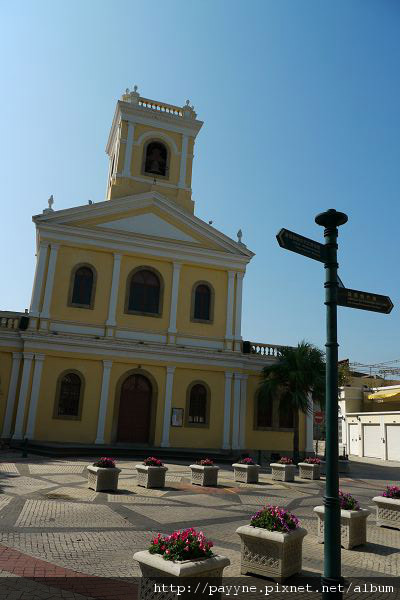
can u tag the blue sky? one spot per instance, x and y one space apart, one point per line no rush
300 102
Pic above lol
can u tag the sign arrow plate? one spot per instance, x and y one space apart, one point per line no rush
300 244
364 300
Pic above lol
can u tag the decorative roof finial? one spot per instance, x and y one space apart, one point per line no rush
239 236
131 96
188 111
50 203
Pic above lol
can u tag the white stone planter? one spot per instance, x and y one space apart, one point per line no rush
206 476
246 473
155 570
353 526
103 479
309 471
151 477
270 553
387 511
283 472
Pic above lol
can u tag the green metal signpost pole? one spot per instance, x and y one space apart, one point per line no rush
331 579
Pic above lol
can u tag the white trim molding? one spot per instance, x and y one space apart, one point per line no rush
37 377
236 412
182 171
156 133
174 296
111 321
12 389
75 328
229 305
23 393
227 410
105 387
45 313
128 149
38 280
238 315
243 410
169 382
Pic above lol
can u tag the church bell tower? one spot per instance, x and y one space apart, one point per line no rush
151 148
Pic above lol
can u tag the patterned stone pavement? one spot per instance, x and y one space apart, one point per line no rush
54 529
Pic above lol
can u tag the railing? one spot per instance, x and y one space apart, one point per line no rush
161 107
13 320
266 350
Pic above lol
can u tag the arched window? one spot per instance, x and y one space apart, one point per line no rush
144 293
83 283
197 406
263 413
286 416
69 396
202 302
156 159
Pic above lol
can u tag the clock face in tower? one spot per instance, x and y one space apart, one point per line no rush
156 159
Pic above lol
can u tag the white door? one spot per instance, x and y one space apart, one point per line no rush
372 441
353 439
393 442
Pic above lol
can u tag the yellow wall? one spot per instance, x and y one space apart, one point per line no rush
199 437
66 430
219 281
120 371
139 322
67 259
5 373
277 441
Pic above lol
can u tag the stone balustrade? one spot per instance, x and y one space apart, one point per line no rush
12 320
263 350
161 107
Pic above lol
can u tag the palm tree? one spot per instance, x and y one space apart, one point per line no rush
298 373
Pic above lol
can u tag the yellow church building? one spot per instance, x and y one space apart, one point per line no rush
133 337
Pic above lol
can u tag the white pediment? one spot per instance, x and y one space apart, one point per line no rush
149 224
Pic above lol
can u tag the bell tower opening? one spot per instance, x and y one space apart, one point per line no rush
151 147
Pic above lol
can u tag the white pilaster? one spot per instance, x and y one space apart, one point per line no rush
12 389
167 406
37 376
227 409
243 411
111 321
128 149
310 426
105 386
236 412
229 305
23 392
38 280
174 297
238 312
45 314
182 173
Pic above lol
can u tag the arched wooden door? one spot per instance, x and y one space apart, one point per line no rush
135 410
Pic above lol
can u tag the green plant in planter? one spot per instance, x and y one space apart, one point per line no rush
392 491
105 463
182 545
274 518
348 502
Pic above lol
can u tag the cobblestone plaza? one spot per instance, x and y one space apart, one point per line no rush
54 529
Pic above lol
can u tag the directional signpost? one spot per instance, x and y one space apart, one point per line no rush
300 244
364 300
335 293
